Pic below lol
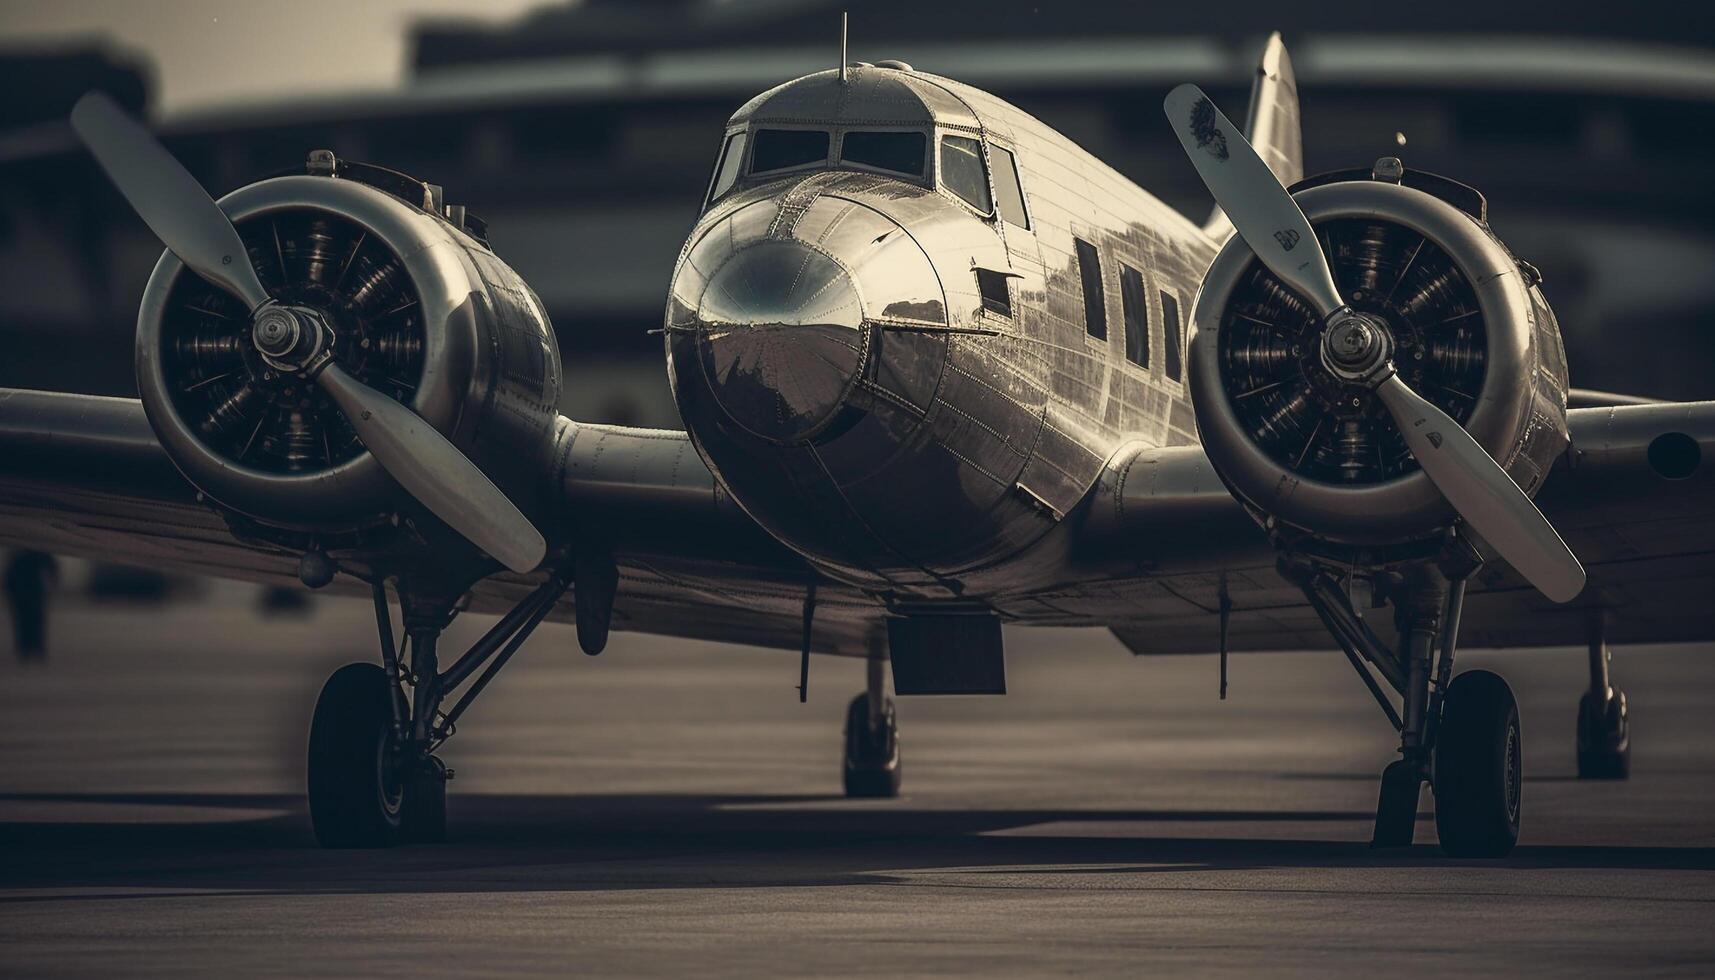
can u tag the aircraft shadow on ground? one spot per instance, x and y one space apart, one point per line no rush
616 842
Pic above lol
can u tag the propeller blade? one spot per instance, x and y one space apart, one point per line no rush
1483 494
167 198
1265 215
432 470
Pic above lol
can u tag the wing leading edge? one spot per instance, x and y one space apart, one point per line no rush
1148 554
1634 496
84 476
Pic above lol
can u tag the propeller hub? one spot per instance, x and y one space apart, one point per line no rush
276 332
1355 345
288 337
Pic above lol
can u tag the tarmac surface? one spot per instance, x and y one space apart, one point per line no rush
669 808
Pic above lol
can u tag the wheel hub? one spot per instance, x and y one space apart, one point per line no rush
1513 775
390 784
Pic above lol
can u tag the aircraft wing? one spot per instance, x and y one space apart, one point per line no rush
84 476
1147 555
1644 532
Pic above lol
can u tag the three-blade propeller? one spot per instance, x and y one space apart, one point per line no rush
1271 223
194 228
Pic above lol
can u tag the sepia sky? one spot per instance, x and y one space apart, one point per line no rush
212 52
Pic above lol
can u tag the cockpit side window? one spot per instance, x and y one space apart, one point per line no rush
782 149
900 153
1008 195
726 169
963 173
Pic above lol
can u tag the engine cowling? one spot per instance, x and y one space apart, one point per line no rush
420 309
1472 334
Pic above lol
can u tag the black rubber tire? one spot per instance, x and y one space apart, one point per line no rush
872 769
356 797
1478 780
1604 737
1396 806
425 817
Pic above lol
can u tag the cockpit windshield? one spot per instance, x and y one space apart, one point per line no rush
900 153
726 171
782 149
766 151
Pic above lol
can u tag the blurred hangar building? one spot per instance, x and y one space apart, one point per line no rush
584 134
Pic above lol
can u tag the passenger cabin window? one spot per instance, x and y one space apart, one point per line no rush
962 171
781 149
1095 305
996 297
1008 195
1136 309
901 153
726 168
1170 329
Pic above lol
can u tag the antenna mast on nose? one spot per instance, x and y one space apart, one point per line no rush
842 47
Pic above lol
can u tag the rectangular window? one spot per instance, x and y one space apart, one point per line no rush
996 297
726 169
962 171
1170 329
1136 309
901 153
1095 304
1008 195
779 149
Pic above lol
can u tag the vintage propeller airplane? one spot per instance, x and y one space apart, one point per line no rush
936 375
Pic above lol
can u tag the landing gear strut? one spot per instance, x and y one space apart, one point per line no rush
1459 734
1604 730
872 739
374 780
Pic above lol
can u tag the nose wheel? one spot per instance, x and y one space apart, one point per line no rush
872 741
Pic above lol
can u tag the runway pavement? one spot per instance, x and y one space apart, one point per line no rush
669 808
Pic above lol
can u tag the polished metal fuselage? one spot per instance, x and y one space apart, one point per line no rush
970 434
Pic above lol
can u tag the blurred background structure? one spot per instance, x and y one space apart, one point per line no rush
584 133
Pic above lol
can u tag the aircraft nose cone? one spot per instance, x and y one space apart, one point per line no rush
781 337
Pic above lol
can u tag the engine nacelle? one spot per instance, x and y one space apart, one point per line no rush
1472 333
420 309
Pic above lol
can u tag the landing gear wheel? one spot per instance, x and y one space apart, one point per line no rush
1604 737
872 757
1396 810
1478 778
425 816
357 798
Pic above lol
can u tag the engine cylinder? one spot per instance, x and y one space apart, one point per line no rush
418 310
1470 331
